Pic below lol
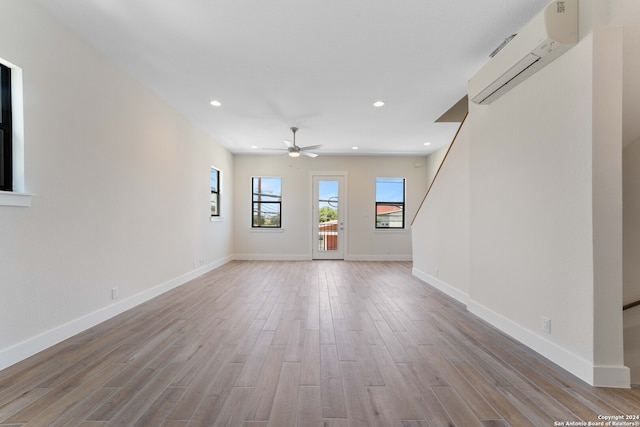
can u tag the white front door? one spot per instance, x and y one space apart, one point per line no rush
328 217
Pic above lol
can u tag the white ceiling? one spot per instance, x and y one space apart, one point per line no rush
317 65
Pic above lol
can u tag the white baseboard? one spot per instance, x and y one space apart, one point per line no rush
273 257
387 257
573 363
308 257
611 376
31 346
442 286
600 376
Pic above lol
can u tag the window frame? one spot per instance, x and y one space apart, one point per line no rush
402 204
275 203
6 129
217 192
16 197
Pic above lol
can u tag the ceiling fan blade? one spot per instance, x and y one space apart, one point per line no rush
275 149
289 144
311 147
308 154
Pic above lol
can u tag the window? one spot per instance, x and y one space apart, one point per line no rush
267 200
215 192
6 156
390 202
12 180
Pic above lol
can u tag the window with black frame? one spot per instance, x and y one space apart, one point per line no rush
6 158
390 202
215 192
266 202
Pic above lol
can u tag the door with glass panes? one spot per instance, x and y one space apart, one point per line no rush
328 217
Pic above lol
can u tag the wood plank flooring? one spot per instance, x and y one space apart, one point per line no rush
277 344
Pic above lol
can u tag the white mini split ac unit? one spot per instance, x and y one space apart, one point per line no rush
550 34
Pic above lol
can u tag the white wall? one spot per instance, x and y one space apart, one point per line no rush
121 185
631 82
294 241
433 162
441 230
531 237
607 190
631 178
541 243
631 167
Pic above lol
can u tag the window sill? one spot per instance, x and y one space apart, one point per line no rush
217 219
390 230
10 198
266 230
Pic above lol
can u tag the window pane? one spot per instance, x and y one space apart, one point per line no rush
214 204
2 94
328 205
389 215
6 180
214 180
267 189
266 214
389 189
2 172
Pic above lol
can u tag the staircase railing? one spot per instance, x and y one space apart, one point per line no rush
440 167
631 305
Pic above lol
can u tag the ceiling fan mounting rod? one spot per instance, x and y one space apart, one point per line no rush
294 130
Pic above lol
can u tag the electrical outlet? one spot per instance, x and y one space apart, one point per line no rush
114 293
546 325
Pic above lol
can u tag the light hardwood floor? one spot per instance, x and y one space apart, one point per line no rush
324 343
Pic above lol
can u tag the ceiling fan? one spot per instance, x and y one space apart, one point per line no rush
295 150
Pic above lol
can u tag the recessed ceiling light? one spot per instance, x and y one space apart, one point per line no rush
354 148
427 143
378 104
254 146
216 103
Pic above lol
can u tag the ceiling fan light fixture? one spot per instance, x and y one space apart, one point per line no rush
293 150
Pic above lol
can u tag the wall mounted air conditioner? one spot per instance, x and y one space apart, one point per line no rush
550 34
